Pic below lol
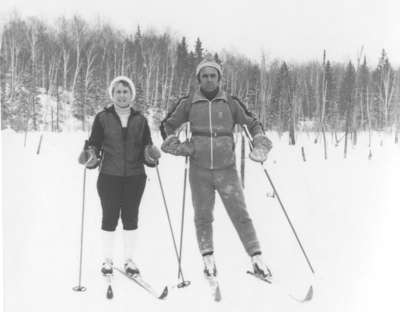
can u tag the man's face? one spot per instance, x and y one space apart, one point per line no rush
209 79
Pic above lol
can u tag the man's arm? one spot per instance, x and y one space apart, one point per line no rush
243 117
175 118
173 121
262 145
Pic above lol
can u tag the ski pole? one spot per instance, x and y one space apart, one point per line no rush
80 287
183 210
280 202
183 217
183 283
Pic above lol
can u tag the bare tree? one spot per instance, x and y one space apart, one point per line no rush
79 29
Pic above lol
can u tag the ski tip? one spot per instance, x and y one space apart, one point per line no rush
164 293
308 297
218 296
110 293
310 294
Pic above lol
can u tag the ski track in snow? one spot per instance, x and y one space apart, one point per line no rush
346 213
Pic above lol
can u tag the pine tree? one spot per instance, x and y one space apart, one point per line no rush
383 78
330 105
198 51
347 98
364 81
182 58
217 59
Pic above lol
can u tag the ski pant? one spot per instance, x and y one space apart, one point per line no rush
204 183
120 196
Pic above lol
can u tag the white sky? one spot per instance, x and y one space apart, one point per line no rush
285 29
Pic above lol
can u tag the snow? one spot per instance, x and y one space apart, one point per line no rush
345 211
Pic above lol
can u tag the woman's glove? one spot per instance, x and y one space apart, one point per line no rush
88 157
151 155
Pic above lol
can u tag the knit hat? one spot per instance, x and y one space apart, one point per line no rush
118 79
208 63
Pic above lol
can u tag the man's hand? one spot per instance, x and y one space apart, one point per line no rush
173 146
261 147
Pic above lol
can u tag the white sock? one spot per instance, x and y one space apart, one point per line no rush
108 244
130 241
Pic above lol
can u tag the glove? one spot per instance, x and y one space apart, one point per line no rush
170 145
262 146
185 149
151 155
88 157
173 146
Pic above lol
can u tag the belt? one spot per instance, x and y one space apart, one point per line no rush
213 134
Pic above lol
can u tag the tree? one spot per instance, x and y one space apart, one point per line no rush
198 52
383 78
347 98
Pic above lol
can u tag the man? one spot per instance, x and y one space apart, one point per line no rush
212 115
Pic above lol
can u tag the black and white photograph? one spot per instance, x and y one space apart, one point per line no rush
200 155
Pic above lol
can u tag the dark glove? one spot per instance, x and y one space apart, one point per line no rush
88 157
151 155
262 146
173 146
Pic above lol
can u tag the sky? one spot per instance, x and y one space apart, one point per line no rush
292 30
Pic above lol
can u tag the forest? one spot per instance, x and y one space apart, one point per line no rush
52 72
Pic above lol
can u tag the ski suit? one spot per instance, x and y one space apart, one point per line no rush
213 165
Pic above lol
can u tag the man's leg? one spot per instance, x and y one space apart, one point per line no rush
203 199
229 188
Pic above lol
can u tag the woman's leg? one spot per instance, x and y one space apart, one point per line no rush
109 190
133 189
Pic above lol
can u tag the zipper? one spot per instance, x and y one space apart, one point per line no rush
211 135
126 138
122 138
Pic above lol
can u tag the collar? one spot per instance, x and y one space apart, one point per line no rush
111 109
198 96
122 110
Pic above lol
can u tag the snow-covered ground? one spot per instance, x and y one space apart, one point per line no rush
346 213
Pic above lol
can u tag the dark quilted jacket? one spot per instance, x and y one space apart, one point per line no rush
122 150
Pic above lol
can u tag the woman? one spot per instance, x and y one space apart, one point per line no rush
120 142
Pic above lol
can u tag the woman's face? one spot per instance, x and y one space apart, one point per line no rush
122 95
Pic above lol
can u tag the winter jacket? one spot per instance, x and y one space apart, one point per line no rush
211 124
121 149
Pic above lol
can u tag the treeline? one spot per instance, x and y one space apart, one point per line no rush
71 62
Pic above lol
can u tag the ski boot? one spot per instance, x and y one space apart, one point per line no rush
130 268
260 269
210 270
210 273
107 267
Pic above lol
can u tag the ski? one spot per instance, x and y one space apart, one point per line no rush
215 289
143 284
110 292
306 298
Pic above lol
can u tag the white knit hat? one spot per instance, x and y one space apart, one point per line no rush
118 79
208 63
